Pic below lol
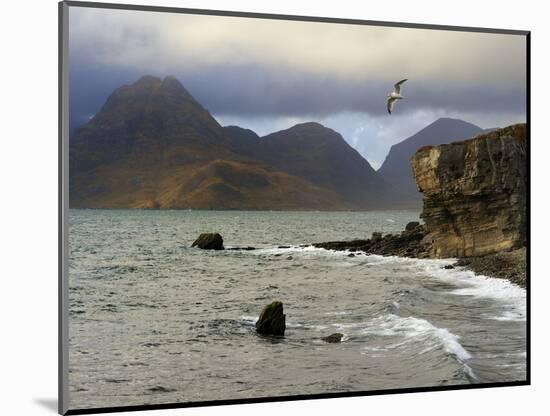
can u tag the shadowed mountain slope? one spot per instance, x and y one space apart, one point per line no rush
152 145
396 169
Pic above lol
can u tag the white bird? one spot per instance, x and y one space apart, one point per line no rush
394 95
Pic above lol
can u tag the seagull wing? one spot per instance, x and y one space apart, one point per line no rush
389 104
397 86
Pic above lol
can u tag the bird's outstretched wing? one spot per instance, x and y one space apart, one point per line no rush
389 104
397 86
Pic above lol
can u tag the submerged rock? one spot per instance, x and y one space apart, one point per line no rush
449 266
209 241
333 338
272 320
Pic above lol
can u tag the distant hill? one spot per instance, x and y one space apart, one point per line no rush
152 145
322 156
396 169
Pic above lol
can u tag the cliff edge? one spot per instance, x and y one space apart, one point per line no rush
475 193
474 207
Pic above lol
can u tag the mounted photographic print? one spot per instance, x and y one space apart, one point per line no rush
262 207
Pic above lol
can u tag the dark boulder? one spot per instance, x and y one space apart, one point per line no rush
272 320
209 241
449 266
351 255
411 225
376 237
333 338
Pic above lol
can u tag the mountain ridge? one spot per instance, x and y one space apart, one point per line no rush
152 145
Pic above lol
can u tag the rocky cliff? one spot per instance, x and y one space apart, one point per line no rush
396 169
474 193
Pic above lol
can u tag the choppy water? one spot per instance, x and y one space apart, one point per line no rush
155 321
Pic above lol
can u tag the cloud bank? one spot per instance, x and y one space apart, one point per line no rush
264 73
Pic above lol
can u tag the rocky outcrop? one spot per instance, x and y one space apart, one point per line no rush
411 225
272 320
474 207
209 241
333 338
408 243
396 169
474 193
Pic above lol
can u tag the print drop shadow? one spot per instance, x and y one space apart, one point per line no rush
49 404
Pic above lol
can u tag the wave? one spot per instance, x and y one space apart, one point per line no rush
508 294
466 282
303 252
410 330
417 328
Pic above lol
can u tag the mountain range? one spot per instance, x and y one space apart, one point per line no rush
152 145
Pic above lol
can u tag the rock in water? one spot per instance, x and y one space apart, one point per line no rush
209 241
272 320
411 225
333 338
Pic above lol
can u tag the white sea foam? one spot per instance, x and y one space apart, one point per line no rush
424 331
416 328
412 330
512 297
303 252
248 320
251 321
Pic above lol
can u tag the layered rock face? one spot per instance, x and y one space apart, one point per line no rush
475 193
396 169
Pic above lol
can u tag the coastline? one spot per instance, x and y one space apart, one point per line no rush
413 242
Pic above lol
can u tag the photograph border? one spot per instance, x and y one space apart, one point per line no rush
63 205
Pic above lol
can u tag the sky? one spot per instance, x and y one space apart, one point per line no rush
268 75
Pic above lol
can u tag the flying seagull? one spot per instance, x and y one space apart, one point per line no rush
394 95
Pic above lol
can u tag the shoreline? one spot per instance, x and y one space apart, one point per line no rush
413 243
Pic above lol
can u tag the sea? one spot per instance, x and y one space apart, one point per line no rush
154 321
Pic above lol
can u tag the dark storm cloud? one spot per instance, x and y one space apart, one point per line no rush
249 91
268 75
89 89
